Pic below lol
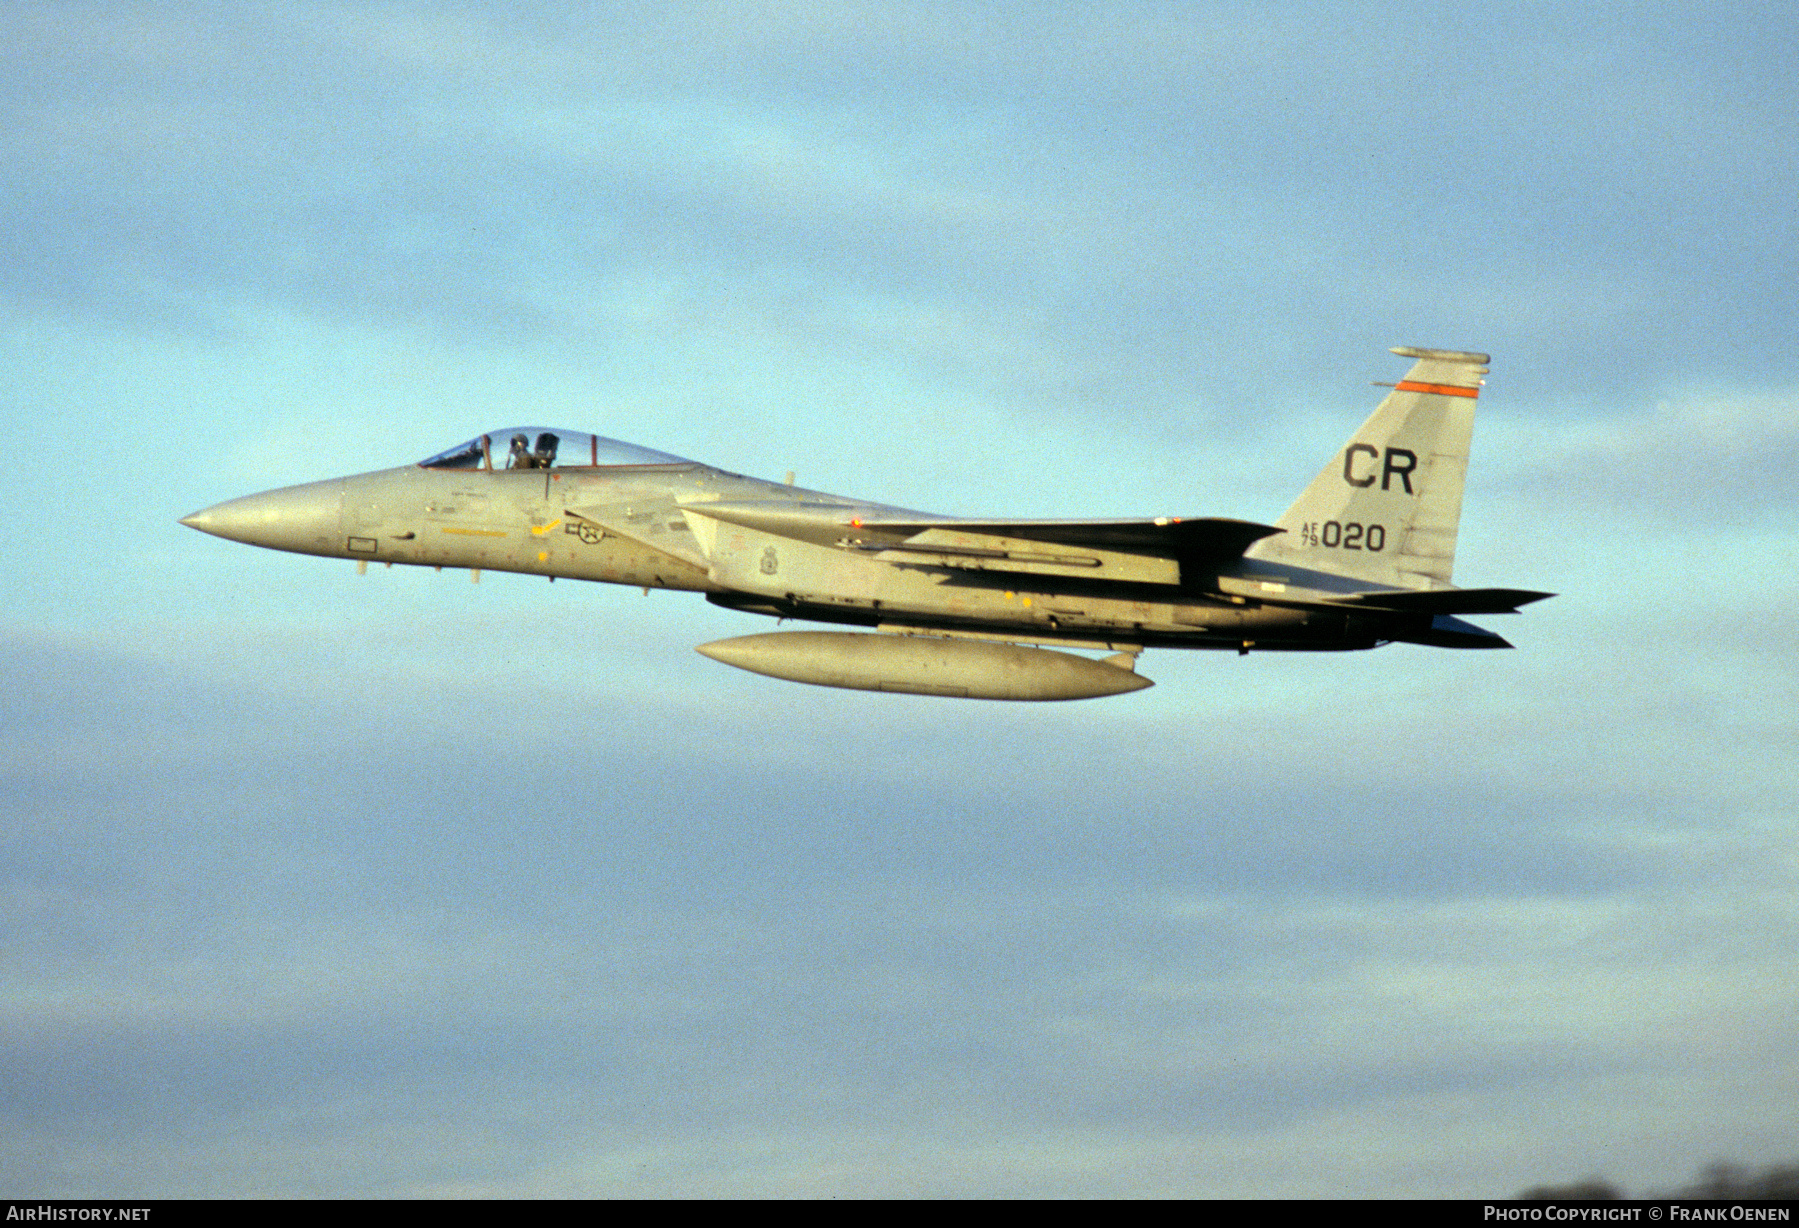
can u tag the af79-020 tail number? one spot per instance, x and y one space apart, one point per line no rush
1338 536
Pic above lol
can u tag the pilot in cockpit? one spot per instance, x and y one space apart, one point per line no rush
521 456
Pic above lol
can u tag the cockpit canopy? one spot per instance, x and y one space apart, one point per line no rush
543 447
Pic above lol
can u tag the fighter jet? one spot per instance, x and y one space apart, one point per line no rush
982 609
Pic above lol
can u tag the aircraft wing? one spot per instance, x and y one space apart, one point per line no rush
1126 551
1166 536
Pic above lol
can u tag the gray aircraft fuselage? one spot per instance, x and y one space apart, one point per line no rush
634 529
1362 558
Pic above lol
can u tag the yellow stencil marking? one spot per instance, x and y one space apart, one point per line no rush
475 532
540 530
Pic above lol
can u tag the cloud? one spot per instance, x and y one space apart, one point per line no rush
1712 460
1046 166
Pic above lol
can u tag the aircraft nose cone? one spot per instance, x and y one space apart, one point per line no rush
303 518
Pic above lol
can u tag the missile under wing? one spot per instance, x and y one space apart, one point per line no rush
983 608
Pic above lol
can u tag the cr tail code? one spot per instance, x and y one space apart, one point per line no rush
1393 463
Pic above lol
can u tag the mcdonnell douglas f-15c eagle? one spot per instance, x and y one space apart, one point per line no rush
1362 558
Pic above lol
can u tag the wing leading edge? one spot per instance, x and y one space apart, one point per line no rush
1120 551
1165 537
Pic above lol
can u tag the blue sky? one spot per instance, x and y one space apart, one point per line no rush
398 885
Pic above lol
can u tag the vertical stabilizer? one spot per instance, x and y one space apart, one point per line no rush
1386 507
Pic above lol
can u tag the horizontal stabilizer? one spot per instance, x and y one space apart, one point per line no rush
1446 600
1446 631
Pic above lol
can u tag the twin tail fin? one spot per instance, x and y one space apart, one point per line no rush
1386 507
